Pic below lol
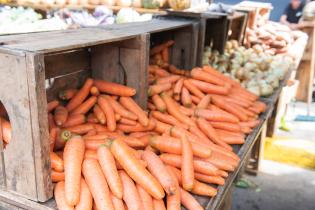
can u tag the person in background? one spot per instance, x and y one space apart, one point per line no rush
292 14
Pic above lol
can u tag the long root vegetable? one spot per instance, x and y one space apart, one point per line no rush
86 200
133 107
114 88
85 106
188 201
74 120
109 112
146 199
60 197
56 162
61 115
187 164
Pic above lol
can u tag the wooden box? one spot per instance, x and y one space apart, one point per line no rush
33 68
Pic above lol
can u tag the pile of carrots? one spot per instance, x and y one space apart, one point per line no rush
107 153
5 126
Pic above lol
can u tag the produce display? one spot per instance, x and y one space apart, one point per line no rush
133 159
255 68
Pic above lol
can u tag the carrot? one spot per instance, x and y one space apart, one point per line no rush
260 105
165 55
90 133
52 105
80 129
195 99
186 98
223 173
91 118
216 116
85 106
56 162
210 179
6 131
57 176
166 118
135 170
172 108
175 70
193 89
74 120
221 164
159 88
159 103
246 130
99 114
60 197
129 140
94 144
133 107
90 154
161 47
136 128
114 88
218 74
118 203
151 106
97 184
67 94
51 121
127 121
227 107
158 71
230 139
119 109
61 115
251 124
73 156
80 96
108 166
178 88
198 74
159 171
162 127
52 137
61 138
173 146
94 91
187 164
86 200
173 201
158 204
168 79
145 198
199 134
238 102
186 111
226 126
199 166
209 88
108 111
130 195
188 201
207 128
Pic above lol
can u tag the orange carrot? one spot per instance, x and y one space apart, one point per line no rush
230 139
60 197
178 88
159 88
173 201
219 75
97 184
221 164
175 70
216 116
251 124
91 118
6 130
129 140
209 88
188 201
162 127
52 137
57 176
86 200
199 165
238 102
74 120
145 198
199 134
52 105
67 94
56 162
114 88
223 173
51 121
94 91
118 203
158 204
195 99
158 71
133 107
169 119
210 179
99 114
119 109
85 106
246 130
159 171
186 111
186 98
108 111
172 108
90 154
198 74
94 144
136 128
151 106
226 126
61 115
61 137
173 146
108 166
193 89
80 96
168 79
187 164
161 47
73 156
90 133
159 103
133 167
127 121
165 55
80 129
130 195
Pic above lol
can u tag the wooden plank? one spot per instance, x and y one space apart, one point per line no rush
20 175
66 62
181 50
39 122
201 41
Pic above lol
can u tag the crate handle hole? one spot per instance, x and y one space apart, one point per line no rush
5 126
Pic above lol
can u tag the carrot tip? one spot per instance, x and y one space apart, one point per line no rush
66 135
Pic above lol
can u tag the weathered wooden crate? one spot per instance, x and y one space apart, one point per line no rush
33 68
237 24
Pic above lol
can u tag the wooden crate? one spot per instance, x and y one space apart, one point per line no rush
28 63
237 24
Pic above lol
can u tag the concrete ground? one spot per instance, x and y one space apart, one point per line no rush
279 186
